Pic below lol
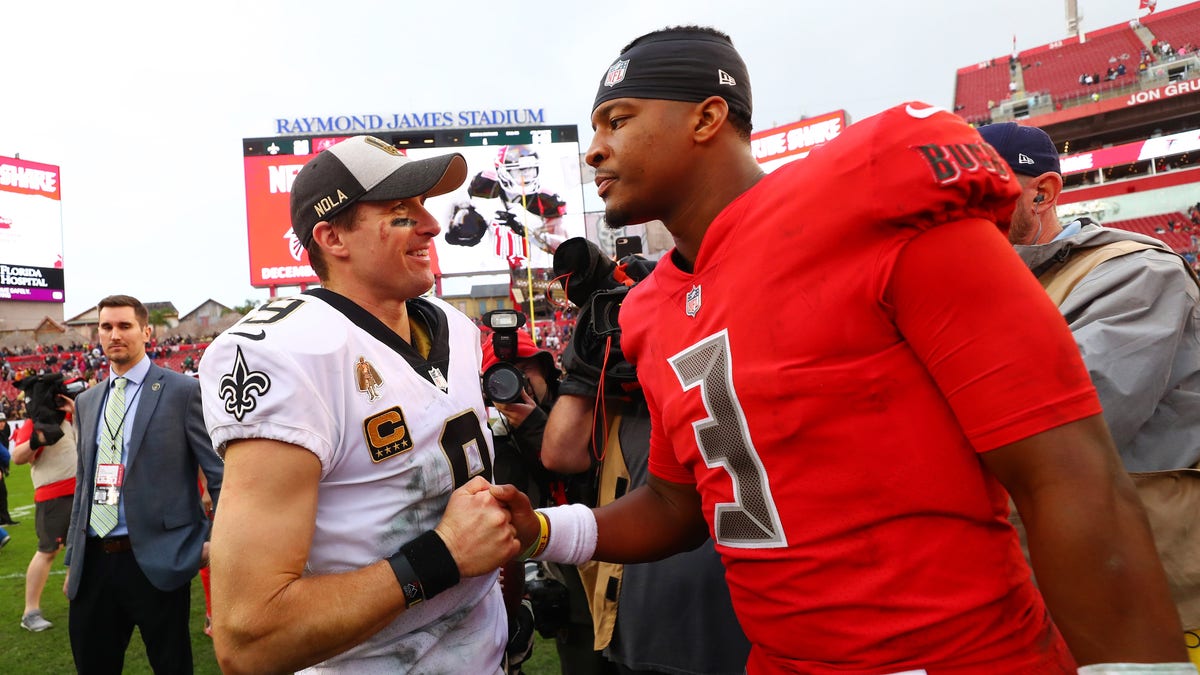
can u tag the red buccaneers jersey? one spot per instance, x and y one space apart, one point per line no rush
856 330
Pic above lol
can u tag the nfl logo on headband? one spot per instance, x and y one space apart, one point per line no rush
616 73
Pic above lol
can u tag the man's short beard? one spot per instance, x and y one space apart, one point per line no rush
615 219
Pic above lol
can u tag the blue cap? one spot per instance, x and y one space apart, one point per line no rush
1028 150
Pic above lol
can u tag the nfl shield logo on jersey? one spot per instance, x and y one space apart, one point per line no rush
693 301
438 379
616 73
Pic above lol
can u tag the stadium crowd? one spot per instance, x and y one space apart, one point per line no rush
84 362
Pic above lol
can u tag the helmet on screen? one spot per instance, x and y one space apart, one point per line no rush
517 169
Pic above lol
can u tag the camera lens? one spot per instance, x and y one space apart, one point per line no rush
503 383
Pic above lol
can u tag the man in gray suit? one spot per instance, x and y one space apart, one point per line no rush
138 531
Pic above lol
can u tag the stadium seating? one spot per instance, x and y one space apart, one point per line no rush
1176 27
976 86
1056 71
1179 240
171 359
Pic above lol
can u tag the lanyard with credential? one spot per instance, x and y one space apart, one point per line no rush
130 402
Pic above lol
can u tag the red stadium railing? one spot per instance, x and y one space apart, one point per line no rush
1178 27
978 85
1058 70
1173 229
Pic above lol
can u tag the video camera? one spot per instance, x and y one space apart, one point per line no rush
503 382
597 285
591 283
42 405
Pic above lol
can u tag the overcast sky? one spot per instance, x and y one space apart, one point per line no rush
143 105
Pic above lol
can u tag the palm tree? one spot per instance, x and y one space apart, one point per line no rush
248 306
158 317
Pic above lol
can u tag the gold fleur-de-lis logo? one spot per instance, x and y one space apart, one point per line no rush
239 387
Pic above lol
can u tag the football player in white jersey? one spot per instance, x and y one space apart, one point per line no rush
356 531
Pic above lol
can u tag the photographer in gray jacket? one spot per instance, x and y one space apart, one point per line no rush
1133 306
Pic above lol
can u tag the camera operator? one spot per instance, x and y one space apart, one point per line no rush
46 441
644 612
521 381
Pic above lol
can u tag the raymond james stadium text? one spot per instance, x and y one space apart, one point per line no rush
426 120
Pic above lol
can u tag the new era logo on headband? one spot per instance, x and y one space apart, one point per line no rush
1023 158
725 78
616 73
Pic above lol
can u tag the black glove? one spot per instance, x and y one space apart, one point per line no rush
590 357
507 219
53 433
636 267
467 227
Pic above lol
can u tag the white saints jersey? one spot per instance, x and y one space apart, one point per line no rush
395 433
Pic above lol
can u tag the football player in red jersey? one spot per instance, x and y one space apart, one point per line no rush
848 371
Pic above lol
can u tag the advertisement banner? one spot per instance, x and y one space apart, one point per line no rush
31 238
773 147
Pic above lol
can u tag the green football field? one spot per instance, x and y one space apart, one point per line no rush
50 651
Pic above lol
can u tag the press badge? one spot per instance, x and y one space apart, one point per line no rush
108 484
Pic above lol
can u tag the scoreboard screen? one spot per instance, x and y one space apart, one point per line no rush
31 236
522 196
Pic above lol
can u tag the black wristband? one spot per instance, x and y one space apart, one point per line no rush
407 578
424 568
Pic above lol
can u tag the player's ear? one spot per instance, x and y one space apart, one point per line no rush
711 115
329 239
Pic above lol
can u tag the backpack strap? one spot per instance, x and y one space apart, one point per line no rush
1062 277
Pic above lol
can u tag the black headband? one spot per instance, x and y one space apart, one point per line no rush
679 66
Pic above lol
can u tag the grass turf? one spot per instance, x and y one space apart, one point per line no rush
23 652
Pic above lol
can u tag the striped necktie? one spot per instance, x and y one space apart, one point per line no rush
112 440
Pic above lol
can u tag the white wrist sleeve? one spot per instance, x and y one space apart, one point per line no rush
572 534
1138 669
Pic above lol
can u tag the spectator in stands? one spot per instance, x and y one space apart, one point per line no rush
1120 69
853 473
1145 363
